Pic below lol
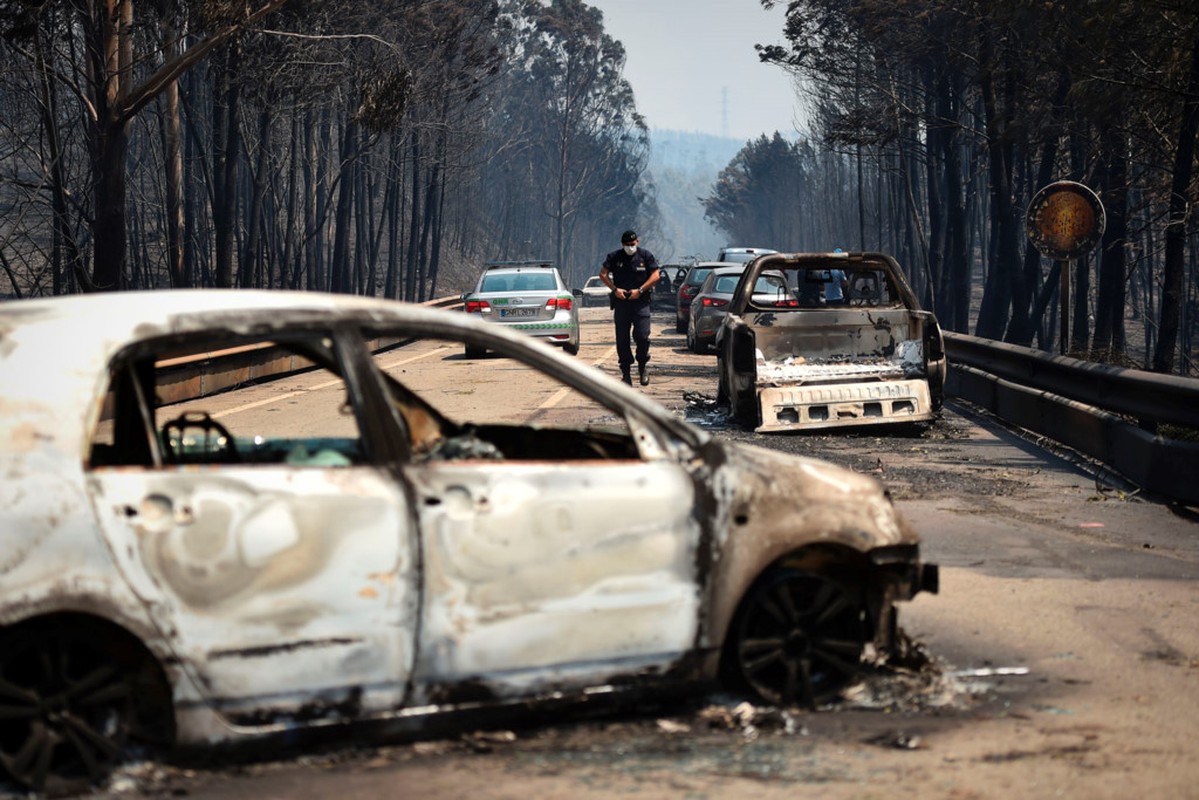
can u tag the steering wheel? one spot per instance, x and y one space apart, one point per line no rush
214 445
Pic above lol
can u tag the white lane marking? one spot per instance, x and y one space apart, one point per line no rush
558 396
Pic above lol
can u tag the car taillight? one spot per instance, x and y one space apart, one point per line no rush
478 307
714 302
688 291
786 304
564 303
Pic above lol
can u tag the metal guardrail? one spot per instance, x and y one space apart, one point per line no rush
1105 412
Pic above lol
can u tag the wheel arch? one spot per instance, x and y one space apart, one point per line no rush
127 646
850 568
837 560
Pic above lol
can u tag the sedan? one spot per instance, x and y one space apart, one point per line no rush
528 296
595 292
248 517
710 305
690 286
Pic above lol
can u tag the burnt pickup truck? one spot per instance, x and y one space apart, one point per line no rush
848 346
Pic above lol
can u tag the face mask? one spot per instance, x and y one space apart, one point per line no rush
629 249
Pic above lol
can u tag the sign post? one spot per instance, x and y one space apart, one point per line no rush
1065 220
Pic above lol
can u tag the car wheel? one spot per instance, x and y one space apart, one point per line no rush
680 325
70 697
798 638
475 352
745 407
571 348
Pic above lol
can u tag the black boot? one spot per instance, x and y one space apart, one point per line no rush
643 373
625 376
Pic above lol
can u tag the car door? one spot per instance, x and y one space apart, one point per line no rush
553 551
571 571
282 576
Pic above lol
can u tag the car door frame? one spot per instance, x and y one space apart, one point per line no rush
386 636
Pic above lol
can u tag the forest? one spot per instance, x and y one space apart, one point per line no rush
934 123
390 148
336 145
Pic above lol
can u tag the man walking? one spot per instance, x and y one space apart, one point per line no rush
630 273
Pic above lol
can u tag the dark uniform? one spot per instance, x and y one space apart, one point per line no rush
631 272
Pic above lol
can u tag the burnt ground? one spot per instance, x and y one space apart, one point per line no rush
683 748
917 461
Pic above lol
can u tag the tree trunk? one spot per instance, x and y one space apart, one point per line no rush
1109 313
1180 205
996 302
225 152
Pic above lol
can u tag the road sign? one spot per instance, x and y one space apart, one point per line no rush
1065 220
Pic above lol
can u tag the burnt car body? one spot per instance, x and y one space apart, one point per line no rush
875 358
663 292
181 572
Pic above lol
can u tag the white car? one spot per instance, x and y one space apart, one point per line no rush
595 292
236 516
528 296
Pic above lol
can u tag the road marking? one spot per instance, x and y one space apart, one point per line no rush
557 396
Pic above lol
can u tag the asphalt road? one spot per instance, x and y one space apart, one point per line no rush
1062 654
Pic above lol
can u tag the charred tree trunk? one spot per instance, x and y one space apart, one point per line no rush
225 152
1109 313
996 302
1176 229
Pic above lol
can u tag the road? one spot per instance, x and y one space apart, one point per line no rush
1063 655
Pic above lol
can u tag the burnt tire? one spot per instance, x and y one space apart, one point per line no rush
797 639
72 696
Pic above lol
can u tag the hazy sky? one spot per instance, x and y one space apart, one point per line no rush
682 54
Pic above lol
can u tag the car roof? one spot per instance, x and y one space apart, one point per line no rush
536 262
55 351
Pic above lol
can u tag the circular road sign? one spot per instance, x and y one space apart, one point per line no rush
1065 220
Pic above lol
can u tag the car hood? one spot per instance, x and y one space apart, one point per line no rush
778 496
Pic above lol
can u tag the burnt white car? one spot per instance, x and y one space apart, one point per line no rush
238 517
855 349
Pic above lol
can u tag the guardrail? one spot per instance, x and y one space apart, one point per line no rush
1105 412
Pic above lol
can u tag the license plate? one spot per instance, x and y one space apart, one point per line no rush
519 312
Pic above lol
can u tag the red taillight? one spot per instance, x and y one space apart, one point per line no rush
564 303
714 302
786 304
477 306
688 291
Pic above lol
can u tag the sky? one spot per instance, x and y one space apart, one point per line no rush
682 56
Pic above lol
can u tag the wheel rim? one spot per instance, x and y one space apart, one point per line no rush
65 709
799 640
